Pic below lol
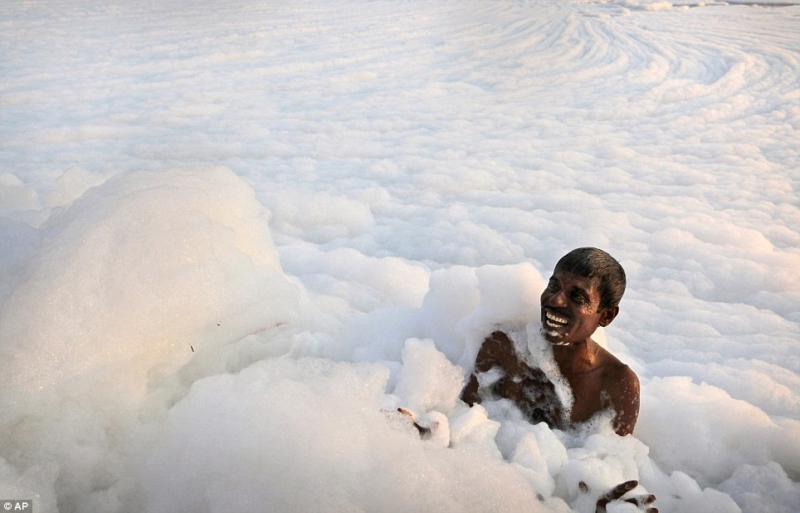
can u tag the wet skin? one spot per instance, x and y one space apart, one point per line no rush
571 313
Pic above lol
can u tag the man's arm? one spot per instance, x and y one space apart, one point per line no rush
497 350
622 387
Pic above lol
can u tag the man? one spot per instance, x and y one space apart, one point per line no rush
583 293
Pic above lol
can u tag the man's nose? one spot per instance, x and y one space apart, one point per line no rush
558 299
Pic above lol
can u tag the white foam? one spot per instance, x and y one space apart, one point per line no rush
232 234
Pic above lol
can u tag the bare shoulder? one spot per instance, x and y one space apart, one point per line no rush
622 386
618 378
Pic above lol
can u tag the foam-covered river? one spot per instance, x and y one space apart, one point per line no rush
233 234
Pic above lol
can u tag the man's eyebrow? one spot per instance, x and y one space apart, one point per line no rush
581 290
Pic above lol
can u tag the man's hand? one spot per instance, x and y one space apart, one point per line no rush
643 502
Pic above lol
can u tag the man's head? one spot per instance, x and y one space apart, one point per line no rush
596 263
583 293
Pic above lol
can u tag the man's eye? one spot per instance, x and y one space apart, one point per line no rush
579 298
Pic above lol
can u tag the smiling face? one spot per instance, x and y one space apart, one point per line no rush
571 308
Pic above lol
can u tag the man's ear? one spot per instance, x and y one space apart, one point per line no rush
608 314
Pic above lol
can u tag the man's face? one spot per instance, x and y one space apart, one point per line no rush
571 308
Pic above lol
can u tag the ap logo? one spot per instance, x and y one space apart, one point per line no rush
17 506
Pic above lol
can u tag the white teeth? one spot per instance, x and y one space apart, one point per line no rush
554 321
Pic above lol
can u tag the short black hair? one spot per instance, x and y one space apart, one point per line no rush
596 263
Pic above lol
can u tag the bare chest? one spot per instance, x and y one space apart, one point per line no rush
589 396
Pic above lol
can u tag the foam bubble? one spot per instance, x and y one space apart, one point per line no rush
686 425
72 183
131 281
429 381
279 432
15 195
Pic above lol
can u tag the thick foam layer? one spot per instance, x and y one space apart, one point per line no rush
398 180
